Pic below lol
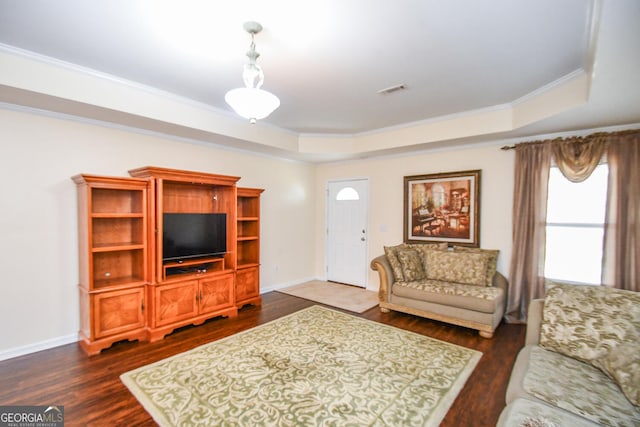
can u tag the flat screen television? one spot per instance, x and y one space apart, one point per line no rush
193 235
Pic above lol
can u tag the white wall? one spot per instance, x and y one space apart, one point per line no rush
38 225
38 254
386 180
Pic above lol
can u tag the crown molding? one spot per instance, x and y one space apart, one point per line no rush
151 104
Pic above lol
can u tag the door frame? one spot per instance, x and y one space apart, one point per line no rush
326 225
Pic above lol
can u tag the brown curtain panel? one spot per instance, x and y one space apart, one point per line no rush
526 274
621 265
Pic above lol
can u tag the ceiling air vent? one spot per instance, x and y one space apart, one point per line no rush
392 89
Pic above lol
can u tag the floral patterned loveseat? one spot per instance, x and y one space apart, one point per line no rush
581 362
456 285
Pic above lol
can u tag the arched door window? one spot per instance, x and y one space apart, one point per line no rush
348 193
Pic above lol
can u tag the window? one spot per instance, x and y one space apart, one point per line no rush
348 193
575 227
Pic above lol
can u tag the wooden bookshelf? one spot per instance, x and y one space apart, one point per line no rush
248 247
113 269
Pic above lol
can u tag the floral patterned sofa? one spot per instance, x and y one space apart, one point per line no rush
581 362
456 285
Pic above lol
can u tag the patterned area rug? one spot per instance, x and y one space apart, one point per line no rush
346 297
314 367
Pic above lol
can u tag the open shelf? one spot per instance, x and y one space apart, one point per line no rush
117 215
117 246
120 231
116 201
114 267
124 282
248 207
193 266
248 228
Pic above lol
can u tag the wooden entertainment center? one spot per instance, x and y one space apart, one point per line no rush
127 291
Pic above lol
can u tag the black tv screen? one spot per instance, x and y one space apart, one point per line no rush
193 235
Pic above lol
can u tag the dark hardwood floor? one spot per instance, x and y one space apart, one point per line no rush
92 393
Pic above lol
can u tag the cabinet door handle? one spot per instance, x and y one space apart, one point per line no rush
142 306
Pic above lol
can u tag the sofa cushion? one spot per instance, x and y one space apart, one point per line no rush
492 260
457 267
530 413
576 387
411 263
598 325
485 299
391 253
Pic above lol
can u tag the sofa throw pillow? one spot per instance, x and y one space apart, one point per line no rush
492 260
422 248
623 366
411 262
597 325
391 253
392 257
459 267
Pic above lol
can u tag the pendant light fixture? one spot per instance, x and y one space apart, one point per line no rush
251 102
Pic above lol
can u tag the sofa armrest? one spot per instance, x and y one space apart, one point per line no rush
499 281
534 321
382 266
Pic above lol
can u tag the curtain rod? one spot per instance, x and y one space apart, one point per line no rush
579 138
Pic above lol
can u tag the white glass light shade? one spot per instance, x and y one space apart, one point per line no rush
250 103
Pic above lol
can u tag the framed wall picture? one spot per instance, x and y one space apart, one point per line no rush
443 207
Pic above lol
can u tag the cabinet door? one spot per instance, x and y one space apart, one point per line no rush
216 293
175 302
117 311
247 283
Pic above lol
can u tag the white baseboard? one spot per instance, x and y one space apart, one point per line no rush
55 342
39 346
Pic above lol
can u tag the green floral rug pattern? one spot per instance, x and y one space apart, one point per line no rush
315 367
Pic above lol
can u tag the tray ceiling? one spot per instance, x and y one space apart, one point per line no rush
472 71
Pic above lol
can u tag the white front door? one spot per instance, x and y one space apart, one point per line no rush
347 231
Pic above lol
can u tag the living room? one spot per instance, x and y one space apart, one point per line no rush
44 148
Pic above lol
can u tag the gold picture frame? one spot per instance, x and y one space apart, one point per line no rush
443 207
